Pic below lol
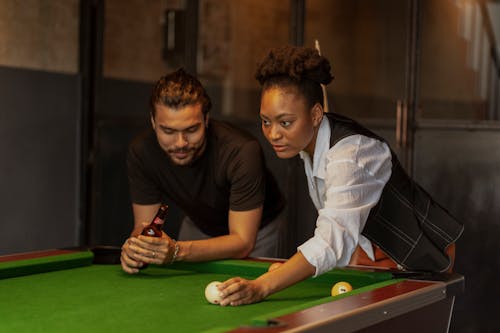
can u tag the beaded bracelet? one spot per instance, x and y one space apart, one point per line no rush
176 251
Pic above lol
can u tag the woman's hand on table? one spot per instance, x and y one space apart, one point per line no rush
239 291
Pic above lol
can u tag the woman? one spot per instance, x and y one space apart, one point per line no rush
349 169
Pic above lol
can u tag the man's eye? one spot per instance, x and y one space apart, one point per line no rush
266 122
192 130
169 132
286 123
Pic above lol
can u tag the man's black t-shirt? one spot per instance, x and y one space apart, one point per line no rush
231 174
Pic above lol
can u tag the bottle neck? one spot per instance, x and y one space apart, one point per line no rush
158 220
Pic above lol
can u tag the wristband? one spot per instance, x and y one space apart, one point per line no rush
176 251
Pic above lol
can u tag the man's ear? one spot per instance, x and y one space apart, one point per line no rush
317 114
207 115
153 121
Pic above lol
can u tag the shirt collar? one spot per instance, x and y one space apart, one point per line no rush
320 149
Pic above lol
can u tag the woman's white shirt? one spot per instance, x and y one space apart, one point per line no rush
345 182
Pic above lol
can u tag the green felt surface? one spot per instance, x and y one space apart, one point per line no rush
102 298
45 264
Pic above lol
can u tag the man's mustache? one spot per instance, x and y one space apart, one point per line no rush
181 150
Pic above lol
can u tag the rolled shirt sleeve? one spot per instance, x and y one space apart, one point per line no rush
357 169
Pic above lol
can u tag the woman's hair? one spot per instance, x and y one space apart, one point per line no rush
299 67
179 89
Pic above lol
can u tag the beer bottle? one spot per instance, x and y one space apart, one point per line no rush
156 225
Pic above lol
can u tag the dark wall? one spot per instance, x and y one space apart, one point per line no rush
460 168
40 157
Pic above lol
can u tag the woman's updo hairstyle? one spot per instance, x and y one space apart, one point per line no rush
292 66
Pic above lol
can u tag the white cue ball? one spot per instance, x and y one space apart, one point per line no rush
212 293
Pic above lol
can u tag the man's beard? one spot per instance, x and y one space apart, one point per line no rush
197 152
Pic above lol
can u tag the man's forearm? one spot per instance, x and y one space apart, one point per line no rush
223 247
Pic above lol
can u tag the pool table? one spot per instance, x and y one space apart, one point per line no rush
86 291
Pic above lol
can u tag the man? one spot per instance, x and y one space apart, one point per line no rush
215 173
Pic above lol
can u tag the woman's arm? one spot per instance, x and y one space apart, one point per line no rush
238 291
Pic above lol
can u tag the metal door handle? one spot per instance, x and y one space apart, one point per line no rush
401 123
399 107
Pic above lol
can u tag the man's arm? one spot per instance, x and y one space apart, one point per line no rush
143 214
243 228
138 249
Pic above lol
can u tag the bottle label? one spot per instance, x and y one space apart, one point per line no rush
158 221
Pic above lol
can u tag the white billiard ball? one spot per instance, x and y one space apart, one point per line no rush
212 293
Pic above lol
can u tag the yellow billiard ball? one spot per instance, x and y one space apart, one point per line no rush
340 288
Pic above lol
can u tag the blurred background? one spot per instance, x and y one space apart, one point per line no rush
75 78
